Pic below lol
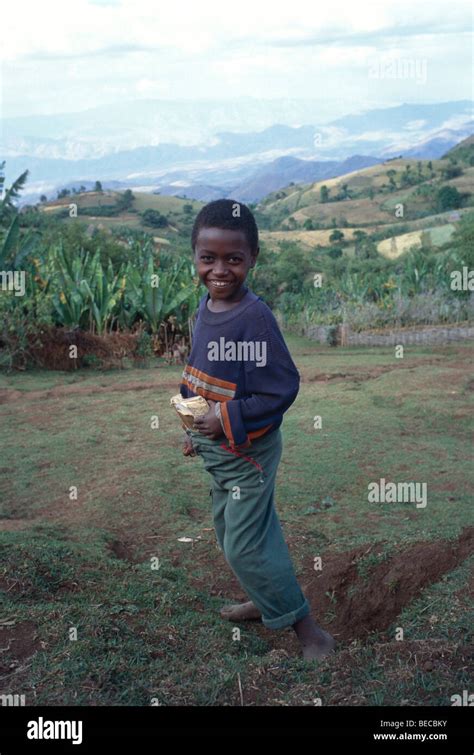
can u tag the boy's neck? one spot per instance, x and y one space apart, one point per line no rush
222 305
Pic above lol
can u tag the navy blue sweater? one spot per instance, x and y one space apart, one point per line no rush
240 359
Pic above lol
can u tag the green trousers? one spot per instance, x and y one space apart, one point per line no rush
247 526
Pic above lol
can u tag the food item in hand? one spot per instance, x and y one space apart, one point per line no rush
189 408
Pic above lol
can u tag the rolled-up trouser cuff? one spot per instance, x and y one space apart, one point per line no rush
288 619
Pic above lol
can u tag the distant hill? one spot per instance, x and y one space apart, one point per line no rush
199 192
366 198
287 170
464 151
179 213
396 118
436 146
359 200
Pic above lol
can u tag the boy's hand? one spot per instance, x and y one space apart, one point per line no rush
210 425
188 449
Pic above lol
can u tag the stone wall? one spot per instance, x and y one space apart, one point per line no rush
392 337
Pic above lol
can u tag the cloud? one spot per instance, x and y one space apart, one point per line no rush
114 3
415 125
376 37
93 28
457 121
112 50
100 49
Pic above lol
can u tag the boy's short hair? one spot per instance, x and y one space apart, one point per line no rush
227 214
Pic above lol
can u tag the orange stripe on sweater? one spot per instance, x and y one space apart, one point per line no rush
197 390
227 427
256 433
210 379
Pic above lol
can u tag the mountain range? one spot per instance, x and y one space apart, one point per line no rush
68 150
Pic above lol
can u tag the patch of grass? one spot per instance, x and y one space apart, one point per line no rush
85 564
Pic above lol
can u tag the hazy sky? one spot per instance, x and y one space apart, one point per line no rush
347 54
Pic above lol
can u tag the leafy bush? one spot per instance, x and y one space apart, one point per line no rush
21 321
449 198
144 349
154 218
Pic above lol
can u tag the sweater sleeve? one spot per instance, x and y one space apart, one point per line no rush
270 387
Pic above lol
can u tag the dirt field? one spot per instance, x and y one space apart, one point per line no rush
85 562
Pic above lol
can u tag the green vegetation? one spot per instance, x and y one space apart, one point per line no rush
335 227
385 241
463 153
155 218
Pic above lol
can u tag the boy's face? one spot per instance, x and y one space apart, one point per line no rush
223 256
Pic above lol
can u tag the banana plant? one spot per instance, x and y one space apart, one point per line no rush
76 267
71 299
153 294
70 307
102 293
7 207
353 287
14 249
416 272
129 305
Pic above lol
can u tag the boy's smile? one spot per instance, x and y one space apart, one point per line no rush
223 258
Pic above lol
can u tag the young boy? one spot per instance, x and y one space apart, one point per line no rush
240 363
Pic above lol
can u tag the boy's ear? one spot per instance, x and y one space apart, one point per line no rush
254 256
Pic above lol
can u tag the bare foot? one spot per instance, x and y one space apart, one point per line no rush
240 612
315 642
